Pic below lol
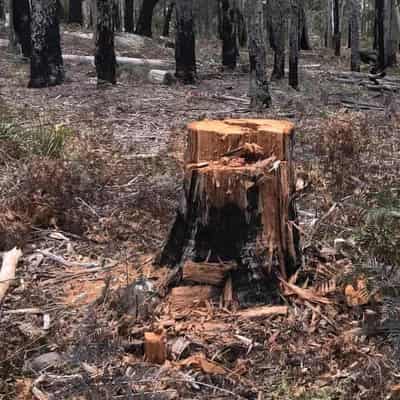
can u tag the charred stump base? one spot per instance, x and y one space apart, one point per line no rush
235 228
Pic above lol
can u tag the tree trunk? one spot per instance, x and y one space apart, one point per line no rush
278 10
294 45
380 33
2 11
185 54
235 216
391 32
105 55
117 15
75 11
12 37
22 25
259 88
144 24
87 13
46 59
129 22
304 39
336 27
329 24
242 29
355 35
167 18
229 33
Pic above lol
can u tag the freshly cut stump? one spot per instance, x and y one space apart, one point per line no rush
238 204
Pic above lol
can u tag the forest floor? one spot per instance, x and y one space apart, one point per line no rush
89 183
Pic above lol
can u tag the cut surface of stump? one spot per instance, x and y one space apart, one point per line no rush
237 205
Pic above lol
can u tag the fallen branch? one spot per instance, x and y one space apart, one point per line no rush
66 263
7 273
25 311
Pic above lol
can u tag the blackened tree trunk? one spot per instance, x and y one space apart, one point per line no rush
391 32
167 18
128 17
75 11
185 54
229 33
304 37
22 25
105 54
146 18
242 216
278 11
46 59
336 27
294 45
380 33
355 34
242 29
259 88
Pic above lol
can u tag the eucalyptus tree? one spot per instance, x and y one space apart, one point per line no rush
46 59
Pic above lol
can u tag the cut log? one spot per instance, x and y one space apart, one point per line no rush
237 209
161 77
187 296
205 273
155 348
126 61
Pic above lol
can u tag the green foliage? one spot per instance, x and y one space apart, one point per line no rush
287 392
380 234
44 140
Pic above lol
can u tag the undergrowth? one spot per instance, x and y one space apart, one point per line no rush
40 186
380 233
39 139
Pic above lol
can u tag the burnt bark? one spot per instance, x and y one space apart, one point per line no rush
336 28
46 58
237 215
144 24
304 38
229 33
185 54
75 11
167 18
105 54
242 29
259 88
294 45
22 25
277 11
380 33
355 35
128 18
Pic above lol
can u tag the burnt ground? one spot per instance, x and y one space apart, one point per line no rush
109 200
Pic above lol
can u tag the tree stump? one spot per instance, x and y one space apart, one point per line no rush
238 205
